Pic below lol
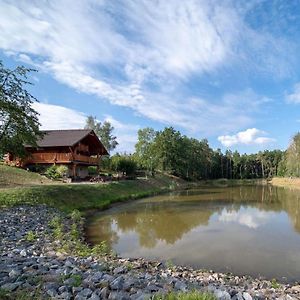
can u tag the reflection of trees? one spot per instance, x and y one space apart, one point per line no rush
101 230
162 221
169 218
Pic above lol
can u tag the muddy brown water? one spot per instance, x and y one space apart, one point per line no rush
246 230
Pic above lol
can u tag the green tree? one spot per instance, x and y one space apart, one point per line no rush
124 164
293 157
18 120
145 153
104 132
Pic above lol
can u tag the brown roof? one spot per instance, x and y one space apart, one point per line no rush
66 138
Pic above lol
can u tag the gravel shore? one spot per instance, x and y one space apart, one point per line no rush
31 264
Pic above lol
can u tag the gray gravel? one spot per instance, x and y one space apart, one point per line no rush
39 269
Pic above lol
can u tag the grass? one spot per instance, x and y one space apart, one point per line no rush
12 177
194 295
69 197
21 295
293 183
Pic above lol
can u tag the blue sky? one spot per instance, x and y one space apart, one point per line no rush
228 71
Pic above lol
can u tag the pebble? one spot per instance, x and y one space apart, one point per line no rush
37 265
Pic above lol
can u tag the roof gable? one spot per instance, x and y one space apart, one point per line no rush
67 138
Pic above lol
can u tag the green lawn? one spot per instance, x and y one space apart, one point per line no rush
20 186
12 177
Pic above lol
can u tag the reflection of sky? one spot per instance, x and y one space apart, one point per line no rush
250 217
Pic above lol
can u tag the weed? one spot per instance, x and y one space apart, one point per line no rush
170 264
77 279
193 295
56 225
31 236
275 284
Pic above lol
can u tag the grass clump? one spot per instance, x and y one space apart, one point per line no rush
21 295
31 236
76 279
193 295
275 284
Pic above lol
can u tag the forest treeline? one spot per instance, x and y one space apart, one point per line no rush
170 151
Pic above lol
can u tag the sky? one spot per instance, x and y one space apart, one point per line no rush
228 71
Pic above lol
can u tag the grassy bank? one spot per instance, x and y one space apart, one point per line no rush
14 177
293 183
68 197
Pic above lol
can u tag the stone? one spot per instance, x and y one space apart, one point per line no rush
104 293
247 296
94 297
10 287
117 284
180 286
51 292
14 273
119 270
238 296
222 295
23 253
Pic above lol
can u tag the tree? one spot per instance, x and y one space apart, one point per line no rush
293 157
145 149
103 131
18 120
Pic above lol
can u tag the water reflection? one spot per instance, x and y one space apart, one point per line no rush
247 229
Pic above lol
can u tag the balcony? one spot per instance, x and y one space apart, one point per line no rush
62 158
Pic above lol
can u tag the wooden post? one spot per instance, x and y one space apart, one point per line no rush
74 170
98 164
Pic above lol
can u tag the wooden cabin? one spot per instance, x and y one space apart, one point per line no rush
77 149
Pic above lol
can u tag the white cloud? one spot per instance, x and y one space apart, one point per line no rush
247 137
295 96
152 50
252 218
58 117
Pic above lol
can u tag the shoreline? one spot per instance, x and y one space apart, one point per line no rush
33 261
292 183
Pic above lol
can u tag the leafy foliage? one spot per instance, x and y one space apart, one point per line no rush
56 172
124 164
170 151
103 131
18 120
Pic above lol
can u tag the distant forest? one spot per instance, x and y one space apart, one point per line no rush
170 151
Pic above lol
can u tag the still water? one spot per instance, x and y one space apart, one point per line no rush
252 230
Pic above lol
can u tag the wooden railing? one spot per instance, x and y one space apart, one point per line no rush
87 159
60 158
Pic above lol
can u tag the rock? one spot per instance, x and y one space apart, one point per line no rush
247 296
94 297
118 296
23 252
180 286
51 292
10 287
65 296
238 296
119 270
222 295
14 273
104 293
117 284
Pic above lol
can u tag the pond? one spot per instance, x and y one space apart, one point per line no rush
246 230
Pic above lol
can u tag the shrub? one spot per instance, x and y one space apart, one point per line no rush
56 172
124 164
92 170
62 171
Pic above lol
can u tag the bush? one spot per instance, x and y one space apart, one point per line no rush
56 172
92 170
124 164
